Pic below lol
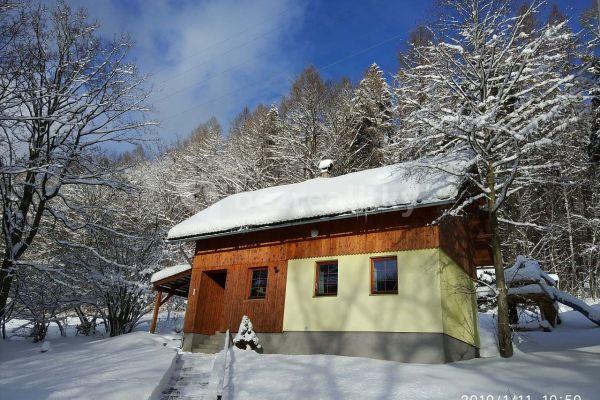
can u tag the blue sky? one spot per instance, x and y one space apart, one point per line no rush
213 57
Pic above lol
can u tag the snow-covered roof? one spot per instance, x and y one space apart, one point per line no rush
169 271
410 184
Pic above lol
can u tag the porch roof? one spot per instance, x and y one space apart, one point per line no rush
174 280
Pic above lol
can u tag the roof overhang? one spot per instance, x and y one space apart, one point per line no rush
307 221
178 284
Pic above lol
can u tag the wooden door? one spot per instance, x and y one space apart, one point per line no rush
211 301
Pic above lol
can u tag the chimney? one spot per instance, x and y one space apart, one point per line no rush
325 166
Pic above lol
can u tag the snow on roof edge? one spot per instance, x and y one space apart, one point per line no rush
253 228
169 271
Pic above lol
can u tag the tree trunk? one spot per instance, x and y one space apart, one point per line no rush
61 328
80 315
6 278
573 279
504 335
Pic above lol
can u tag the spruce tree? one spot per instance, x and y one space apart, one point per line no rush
246 337
373 116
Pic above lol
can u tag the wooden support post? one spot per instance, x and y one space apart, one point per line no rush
155 313
513 313
548 311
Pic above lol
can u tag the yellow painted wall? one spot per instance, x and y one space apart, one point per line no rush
459 304
416 307
434 296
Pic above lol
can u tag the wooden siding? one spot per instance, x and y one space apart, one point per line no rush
479 226
210 305
466 240
393 231
456 241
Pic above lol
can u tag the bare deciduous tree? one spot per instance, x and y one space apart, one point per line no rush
76 93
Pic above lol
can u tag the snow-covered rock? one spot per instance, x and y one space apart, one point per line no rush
45 346
325 164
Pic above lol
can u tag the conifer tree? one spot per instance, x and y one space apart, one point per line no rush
373 115
246 337
250 161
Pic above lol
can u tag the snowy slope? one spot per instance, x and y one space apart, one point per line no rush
127 367
408 184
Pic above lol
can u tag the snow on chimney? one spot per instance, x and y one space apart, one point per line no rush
325 167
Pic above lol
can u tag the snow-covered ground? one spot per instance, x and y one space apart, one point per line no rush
191 378
566 361
128 367
141 366
125 367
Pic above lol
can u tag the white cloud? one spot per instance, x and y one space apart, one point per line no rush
209 57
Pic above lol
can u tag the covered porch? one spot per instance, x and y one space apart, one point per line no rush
169 282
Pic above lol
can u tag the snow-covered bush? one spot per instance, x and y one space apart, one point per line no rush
246 337
85 328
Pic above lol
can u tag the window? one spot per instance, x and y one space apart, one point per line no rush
384 275
258 283
326 278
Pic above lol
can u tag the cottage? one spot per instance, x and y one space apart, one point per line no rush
357 265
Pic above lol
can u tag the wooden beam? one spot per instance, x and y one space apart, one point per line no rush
183 274
157 305
180 283
166 299
178 292
175 289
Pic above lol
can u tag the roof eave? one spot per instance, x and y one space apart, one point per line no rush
193 238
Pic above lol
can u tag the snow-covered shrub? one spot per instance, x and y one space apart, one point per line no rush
38 299
85 328
246 337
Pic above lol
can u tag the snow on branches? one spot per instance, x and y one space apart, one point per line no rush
77 93
490 82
